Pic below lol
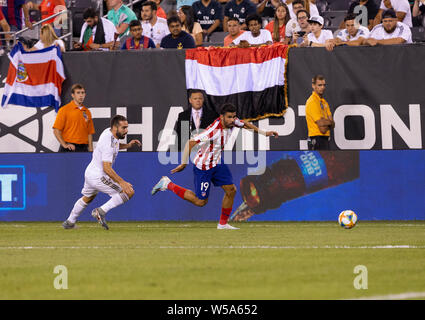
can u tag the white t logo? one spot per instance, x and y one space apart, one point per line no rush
6 186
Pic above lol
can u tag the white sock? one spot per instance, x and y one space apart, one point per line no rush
116 200
79 206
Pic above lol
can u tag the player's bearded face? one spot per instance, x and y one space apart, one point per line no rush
229 119
122 130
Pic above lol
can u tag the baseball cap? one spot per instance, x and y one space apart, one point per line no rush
317 19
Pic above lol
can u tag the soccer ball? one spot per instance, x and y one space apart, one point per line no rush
347 219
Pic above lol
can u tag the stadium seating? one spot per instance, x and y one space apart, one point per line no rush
217 37
338 4
333 18
418 34
77 8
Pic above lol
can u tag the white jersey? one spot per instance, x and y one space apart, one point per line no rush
400 6
106 151
362 32
211 143
401 31
263 37
324 35
156 32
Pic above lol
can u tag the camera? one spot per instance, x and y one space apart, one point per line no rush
301 33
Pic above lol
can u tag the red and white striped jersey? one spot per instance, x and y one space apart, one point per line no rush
211 143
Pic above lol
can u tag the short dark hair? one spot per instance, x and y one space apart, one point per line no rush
305 11
317 77
116 120
253 17
390 13
151 4
90 13
76 86
195 91
134 23
173 19
227 107
298 2
234 19
350 16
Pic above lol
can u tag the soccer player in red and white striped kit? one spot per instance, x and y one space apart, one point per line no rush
207 167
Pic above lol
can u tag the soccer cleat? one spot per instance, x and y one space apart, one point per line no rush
161 185
226 226
69 225
99 215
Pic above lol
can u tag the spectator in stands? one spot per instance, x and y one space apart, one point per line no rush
4 26
308 5
48 38
267 9
239 9
292 24
371 10
319 37
159 11
177 39
299 34
181 3
209 13
278 24
391 31
191 121
189 24
153 26
121 16
97 33
234 27
13 12
73 127
401 8
48 8
256 36
137 41
137 8
354 34
418 13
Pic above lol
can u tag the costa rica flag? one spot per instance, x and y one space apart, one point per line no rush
34 78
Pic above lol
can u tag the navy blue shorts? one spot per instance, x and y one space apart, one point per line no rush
220 175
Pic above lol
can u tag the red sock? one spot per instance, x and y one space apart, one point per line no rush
176 189
225 214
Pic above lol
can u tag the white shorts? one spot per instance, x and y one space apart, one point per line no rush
93 186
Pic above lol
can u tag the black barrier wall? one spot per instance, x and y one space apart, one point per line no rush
376 96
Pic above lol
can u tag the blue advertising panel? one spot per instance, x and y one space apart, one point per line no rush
295 186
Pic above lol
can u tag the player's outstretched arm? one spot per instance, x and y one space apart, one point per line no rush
250 126
186 153
130 144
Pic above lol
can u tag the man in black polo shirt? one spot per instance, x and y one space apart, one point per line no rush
177 39
209 15
239 9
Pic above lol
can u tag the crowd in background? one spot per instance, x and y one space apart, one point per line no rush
243 23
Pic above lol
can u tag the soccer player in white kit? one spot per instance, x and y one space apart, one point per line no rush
100 177
207 164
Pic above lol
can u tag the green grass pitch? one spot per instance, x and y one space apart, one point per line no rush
194 260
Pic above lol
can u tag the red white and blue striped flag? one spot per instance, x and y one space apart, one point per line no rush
253 79
34 78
